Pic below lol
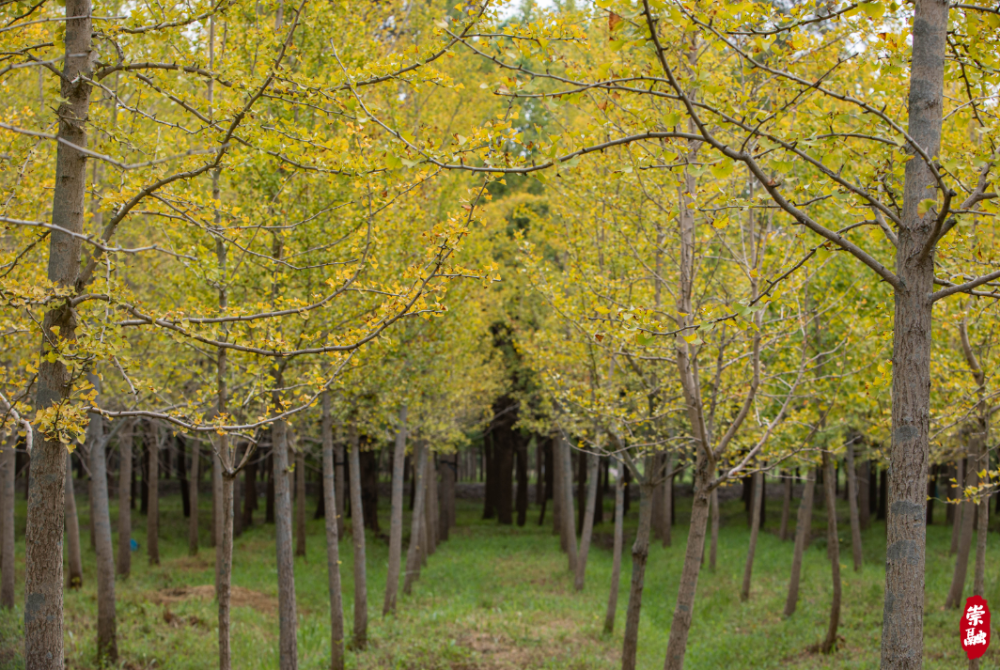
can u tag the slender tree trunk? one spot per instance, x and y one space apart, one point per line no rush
539 473
588 519
396 517
417 519
668 502
786 505
43 592
852 503
834 550
640 552
216 536
803 527
903 613
107 644
431 504
300 502
968 514
490 475
333 540
521 502
957 525
448 476
558 497
758 490
339 453
549 478
713 549
250 492
193 497
567 514
616 560
125 502
358 535
982 527
7 509
153 504
74 574
287 616
224 573
864 495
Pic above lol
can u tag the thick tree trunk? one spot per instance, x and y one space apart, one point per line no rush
125 502
287 616
74 573
803 528
417 519
300 502
396 516
358 535
153 504
7 527
616 559
758 491
852 503
786 504
107 644
903 613
834 550
640 552
193 496
592 462
43 592
968 514
333 540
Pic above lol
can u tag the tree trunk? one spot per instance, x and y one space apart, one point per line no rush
144 451
786 505
539 473
417 519
490 472
834 550
616 560
864 495
448 476
193 496
902 622
250 492
287 617
503 460
758 491
269 495
107 644
224 574
521 503
339 453
216 536
43 592
396 517
124 501
7 568
74 574
431 504
803 528
567 502
982 526
333 538
369 488
852 503
182 475
153 493
713 549
957 523
592 462
549 476
965 527
581 490
640 552
558 498
358 535
300 502
668 502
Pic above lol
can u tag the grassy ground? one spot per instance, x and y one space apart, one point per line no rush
501 597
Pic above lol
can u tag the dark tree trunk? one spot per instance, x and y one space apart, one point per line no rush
547 494
883 492
107 644
369 487
396 516
956 528
144 454
581 488
358 538
503 461
449 473
931 494
522 482
786 504
124 501
250 491
417 520
834 551
616 556
852 504
332 542
967 514
300 502
640 552
803 528
182 474
74 561
193 495
489 472
864 495
9 463
269 502
153 496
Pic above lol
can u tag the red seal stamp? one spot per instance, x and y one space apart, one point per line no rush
974 629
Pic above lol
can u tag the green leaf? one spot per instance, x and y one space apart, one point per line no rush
873 9
722 170
926 205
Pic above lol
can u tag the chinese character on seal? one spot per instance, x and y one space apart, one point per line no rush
974 628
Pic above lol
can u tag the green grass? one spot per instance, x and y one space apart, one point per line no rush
501 597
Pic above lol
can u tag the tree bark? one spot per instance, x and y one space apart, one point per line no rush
300 502
902 620
216 536
567 502
193 496
339 453
153 504
448 476
333 540
834 550
490 474
417 519
968 514
43 592
224 573
396 517
74 574
107 644
616 560
852 503
125 502
521 503
803 528
358 535
287 616
558 498
756 481
713 549
640 552
7 568
592 462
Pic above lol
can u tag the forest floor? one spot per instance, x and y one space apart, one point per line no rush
495 597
